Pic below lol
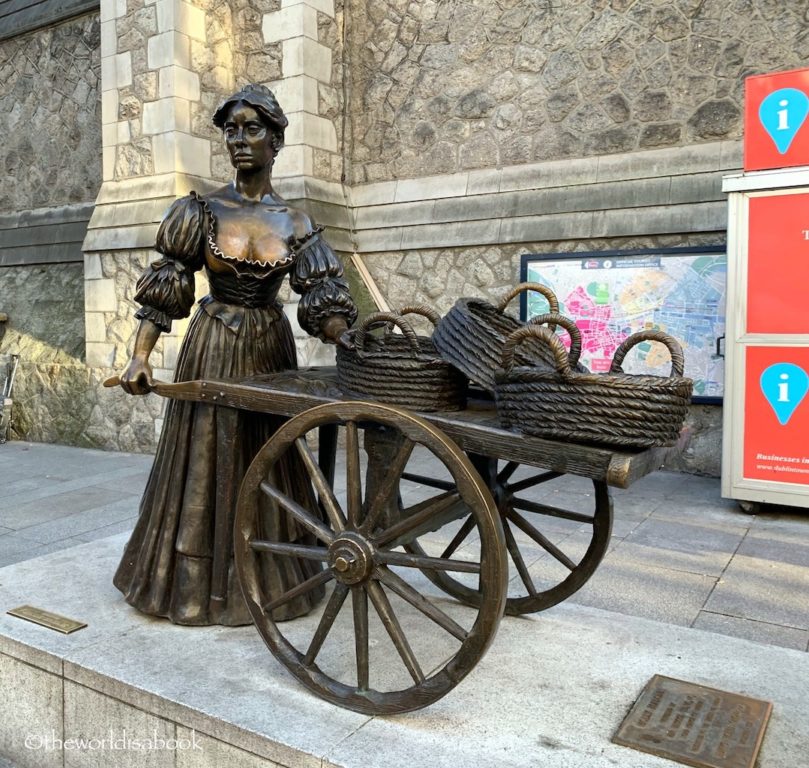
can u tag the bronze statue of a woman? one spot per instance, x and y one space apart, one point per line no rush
179 560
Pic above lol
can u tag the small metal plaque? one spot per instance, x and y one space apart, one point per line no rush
47 619
695 725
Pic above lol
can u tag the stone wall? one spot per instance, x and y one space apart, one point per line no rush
439 86
50 116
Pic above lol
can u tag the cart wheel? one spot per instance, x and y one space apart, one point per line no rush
413 647
553 550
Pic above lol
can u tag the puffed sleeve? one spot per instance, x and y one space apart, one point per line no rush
318 276
165 290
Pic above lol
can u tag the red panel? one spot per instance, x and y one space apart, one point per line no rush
773 450
778 264
760 149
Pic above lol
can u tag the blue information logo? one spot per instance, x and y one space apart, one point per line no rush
782 114
784 385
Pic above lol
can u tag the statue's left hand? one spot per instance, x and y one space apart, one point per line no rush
345 340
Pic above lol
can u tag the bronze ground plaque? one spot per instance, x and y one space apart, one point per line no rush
695 725
47 619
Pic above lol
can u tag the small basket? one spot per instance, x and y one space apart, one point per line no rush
472 334
400 370
613 408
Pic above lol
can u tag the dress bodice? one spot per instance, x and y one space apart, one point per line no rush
245 290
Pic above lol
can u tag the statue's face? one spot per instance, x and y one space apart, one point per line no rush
248 139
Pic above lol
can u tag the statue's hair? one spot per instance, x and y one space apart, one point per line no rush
263 100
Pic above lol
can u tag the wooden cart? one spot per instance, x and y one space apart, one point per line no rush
476 535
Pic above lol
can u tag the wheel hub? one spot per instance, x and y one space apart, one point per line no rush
351 558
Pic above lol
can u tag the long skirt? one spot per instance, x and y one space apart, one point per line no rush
179 561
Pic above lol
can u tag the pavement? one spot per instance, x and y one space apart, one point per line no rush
679 554
685 575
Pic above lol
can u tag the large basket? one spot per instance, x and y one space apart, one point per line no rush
613 408
400 370
472 334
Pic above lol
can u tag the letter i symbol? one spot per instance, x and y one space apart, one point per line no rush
783 388
783 115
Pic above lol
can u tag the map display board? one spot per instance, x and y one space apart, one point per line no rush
612 294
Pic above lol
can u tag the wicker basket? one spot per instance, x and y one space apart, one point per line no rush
614 408
400 370
472 334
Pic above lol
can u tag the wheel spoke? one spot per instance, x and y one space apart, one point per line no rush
302 588
398 585
545 509
333 607
353 479
426 563
460 536
385 611
506 472
291 550
540 539
414 516
327 498
530 482
359 598
305 518
516 556
389 486
430 482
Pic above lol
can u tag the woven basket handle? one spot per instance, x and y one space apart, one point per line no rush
553 302
377 319
676 351
544 334
554 319
418 309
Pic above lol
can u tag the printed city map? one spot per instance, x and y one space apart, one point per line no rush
612 296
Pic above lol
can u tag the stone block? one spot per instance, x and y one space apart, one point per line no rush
385 239
167 49
294 21
294 161
176 15
92 267
303 56
95 326
297 94
28 725
91 716
697 158
176 151
483 182
696 188
99 295
109 135
324 6
215 753
109 38
402 214
658 220
108 163
430 187
116 71
380 193
100 355
112 9
165 115
566 226
109 106
311 130
124 132
171 349
179 82
730 155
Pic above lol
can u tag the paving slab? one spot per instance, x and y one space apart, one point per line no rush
551 690
760 631
763 590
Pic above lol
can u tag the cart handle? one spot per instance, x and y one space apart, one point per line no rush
377 319
676 351
553 319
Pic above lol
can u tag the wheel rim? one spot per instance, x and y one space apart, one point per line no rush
362 557
552 550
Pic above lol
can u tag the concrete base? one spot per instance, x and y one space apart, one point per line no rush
551 691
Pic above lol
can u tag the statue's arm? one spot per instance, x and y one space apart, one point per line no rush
165 290
326 309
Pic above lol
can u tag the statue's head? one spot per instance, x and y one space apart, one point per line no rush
262 100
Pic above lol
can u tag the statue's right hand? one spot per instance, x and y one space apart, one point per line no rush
136 378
